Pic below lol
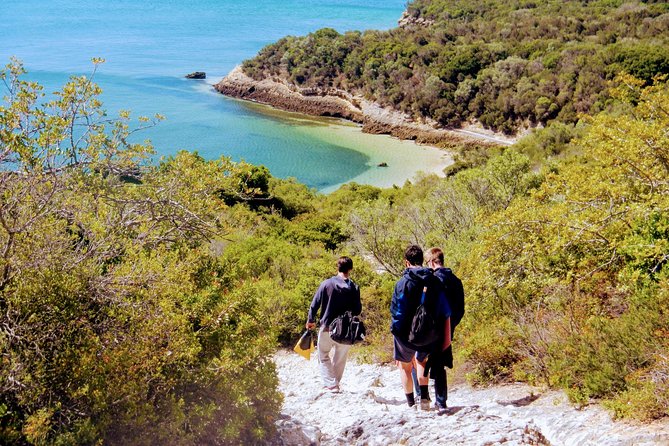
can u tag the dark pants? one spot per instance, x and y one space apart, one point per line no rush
437 363
440 385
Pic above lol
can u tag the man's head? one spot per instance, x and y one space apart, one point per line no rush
434 257
344 264
414 255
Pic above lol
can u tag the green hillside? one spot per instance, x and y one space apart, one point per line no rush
506 64
141 304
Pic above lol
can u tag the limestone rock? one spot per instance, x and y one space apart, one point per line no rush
294 433
330 101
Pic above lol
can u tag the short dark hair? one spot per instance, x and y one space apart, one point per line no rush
414 255
344 264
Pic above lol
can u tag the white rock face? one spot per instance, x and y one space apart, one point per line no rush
371 410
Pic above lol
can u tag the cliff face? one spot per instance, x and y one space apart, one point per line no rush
287 97
337 103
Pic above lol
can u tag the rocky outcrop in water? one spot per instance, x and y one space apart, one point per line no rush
197 75
286 97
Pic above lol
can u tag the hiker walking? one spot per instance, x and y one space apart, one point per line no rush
434 258
417 286
334 297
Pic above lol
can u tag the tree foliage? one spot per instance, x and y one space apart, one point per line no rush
114 325
507 65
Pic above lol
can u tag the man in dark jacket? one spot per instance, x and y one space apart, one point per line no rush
335 296
405 301
434 258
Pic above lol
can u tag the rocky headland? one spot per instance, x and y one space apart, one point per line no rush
342 104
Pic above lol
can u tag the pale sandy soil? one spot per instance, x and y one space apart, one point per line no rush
371 410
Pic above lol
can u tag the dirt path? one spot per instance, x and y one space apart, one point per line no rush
371 410
485 136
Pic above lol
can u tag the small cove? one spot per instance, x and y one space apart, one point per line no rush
402 160
149 47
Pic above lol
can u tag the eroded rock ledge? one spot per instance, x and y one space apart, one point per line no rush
341 104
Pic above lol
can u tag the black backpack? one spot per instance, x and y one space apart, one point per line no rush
424 328
347 329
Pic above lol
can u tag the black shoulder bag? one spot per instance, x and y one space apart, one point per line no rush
347 329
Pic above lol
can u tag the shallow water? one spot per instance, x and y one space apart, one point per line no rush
150 45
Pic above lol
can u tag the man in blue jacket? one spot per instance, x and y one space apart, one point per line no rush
434 258
335 296
405 301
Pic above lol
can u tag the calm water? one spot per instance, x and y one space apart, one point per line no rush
150 45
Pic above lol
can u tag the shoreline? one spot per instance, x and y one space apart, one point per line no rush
404 160
332 102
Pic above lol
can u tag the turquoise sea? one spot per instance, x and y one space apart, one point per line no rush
150 45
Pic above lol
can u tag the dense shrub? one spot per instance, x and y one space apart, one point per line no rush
508 65
115 325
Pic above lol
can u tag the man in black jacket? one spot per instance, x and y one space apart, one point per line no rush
434 258
335 296
406 298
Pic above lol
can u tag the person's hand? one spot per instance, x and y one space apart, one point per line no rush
310 325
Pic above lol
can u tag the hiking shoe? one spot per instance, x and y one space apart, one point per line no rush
425 405
441 408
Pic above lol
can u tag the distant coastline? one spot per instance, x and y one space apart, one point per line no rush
339 103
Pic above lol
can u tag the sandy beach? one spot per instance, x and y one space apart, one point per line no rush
403 159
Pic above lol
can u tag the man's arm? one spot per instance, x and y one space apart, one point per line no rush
444 311
458 298
398 310
357 303
315 305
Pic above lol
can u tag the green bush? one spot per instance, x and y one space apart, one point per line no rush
491 351
115 325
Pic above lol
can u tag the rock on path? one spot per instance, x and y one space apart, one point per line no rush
371 410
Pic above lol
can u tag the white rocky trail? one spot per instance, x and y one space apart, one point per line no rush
371 410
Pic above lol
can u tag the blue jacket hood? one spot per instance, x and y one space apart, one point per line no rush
420 274
407 296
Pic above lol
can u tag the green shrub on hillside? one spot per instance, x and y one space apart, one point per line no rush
507 65
114 324
565 269
586 249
